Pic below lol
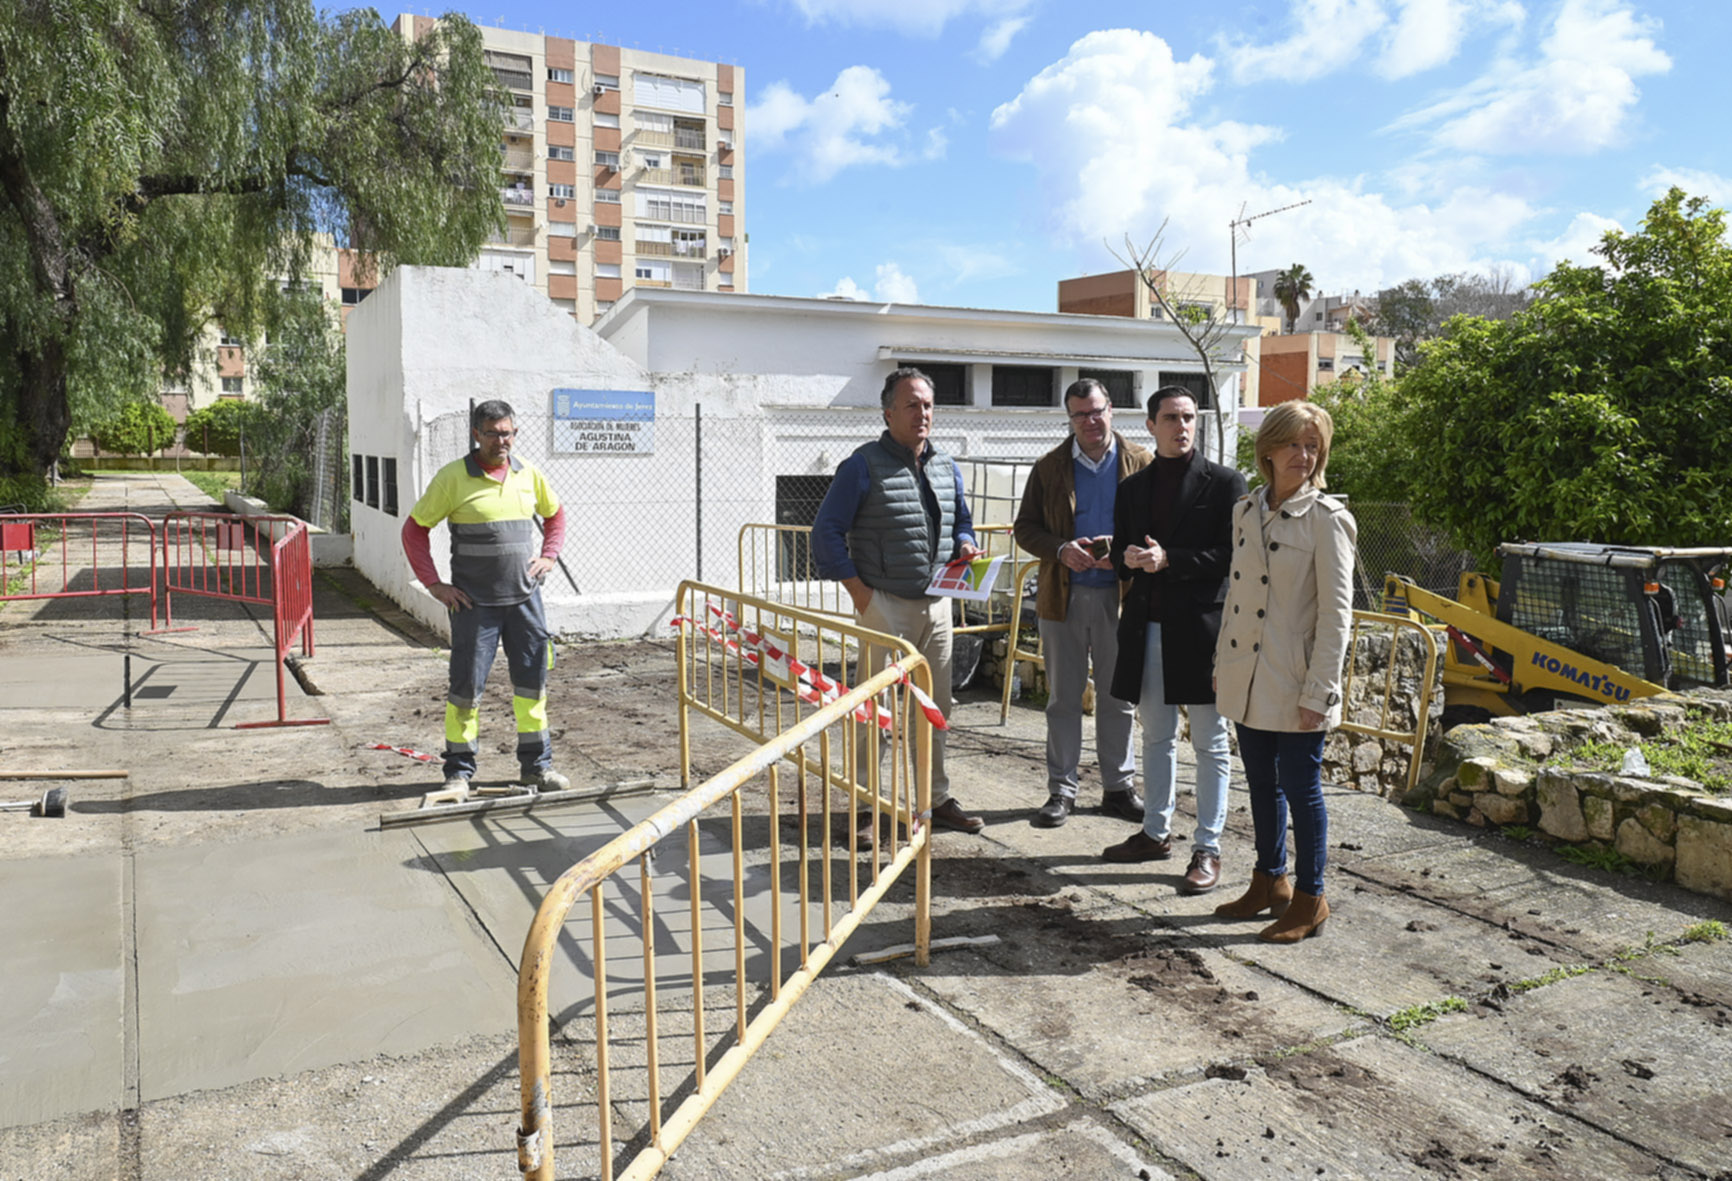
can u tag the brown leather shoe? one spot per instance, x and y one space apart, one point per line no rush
1266 893
1139 846
950 815
1304 918
1204 872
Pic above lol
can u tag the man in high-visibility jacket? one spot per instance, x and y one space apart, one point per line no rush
491 499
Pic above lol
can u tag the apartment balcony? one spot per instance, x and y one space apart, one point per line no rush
513 237
651 283
653 139
681 175
524 198
692 140
688 279
517 119
513 79
517 160
672 249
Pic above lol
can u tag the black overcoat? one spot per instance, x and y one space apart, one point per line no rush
1193 585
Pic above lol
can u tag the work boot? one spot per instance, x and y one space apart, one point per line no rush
544 779
1303 919
1267 892
1126 805
950 815
1139 846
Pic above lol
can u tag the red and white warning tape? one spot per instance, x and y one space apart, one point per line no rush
419 756
814 687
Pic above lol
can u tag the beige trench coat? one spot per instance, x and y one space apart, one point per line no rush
1289 612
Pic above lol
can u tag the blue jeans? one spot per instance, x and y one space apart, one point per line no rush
476 634
1161 756
1284 770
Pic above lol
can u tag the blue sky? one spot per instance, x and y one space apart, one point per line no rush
974 152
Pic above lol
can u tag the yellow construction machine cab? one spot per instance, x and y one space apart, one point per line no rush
1574 622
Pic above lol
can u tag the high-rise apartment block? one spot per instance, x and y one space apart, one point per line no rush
621 168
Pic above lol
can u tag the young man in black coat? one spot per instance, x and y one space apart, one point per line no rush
1172 537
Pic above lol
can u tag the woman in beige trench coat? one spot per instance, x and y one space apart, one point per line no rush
1284 634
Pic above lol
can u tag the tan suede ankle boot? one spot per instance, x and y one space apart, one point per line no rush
1303 919
1267 892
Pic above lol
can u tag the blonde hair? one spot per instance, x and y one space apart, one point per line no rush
1283 425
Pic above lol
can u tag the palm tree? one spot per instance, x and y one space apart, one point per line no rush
1292 286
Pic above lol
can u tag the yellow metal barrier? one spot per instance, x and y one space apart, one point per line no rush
776 565
1397 625
772 673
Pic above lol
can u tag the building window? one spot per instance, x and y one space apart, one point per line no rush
560 152
607 81
607 270
651 160
650 121
357 477
664 206
797 501
561 115
607 196
607 233
232 385
603 306
1197 383
949 382
561 191
725 171
354 295
1121 385
390 502
1325 364
233 342
561 229
724 98
557 74
1022 385
654 272
726 207
372 481
670 94
603 120
608 159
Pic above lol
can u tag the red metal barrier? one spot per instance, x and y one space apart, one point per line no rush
62 556
265 560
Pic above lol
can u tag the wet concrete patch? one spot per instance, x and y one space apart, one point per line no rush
276 956
1628 1055
895 1077
61 988
1337 1111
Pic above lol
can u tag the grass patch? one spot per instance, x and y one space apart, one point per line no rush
1599 857
1415 1016
1517 832
1709 931
1564 972
1700 751
214 484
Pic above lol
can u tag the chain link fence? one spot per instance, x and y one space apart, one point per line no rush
327 494
1392 542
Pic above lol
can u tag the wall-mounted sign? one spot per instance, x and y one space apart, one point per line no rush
604 422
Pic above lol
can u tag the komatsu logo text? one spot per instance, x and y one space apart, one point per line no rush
1602 685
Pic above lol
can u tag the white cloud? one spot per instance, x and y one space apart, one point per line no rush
1327 35
1693 181
924 18
997 38
1576 243
1111 129
893 286
1426 34
846 288
1574 99
835 129
937 142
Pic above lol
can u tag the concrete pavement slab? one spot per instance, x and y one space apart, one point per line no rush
1094 996
1080 1149
863 1073
1373 1107
62 1032
1629 1057
276 956
73 1148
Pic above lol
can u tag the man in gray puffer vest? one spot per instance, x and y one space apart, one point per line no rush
894 515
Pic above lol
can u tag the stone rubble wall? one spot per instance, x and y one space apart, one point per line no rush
1507 772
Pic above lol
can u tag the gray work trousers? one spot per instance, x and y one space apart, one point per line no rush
925 623
1090 626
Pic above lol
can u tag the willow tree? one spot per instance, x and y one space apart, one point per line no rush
163 162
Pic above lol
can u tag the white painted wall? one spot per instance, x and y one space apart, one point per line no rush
776 387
